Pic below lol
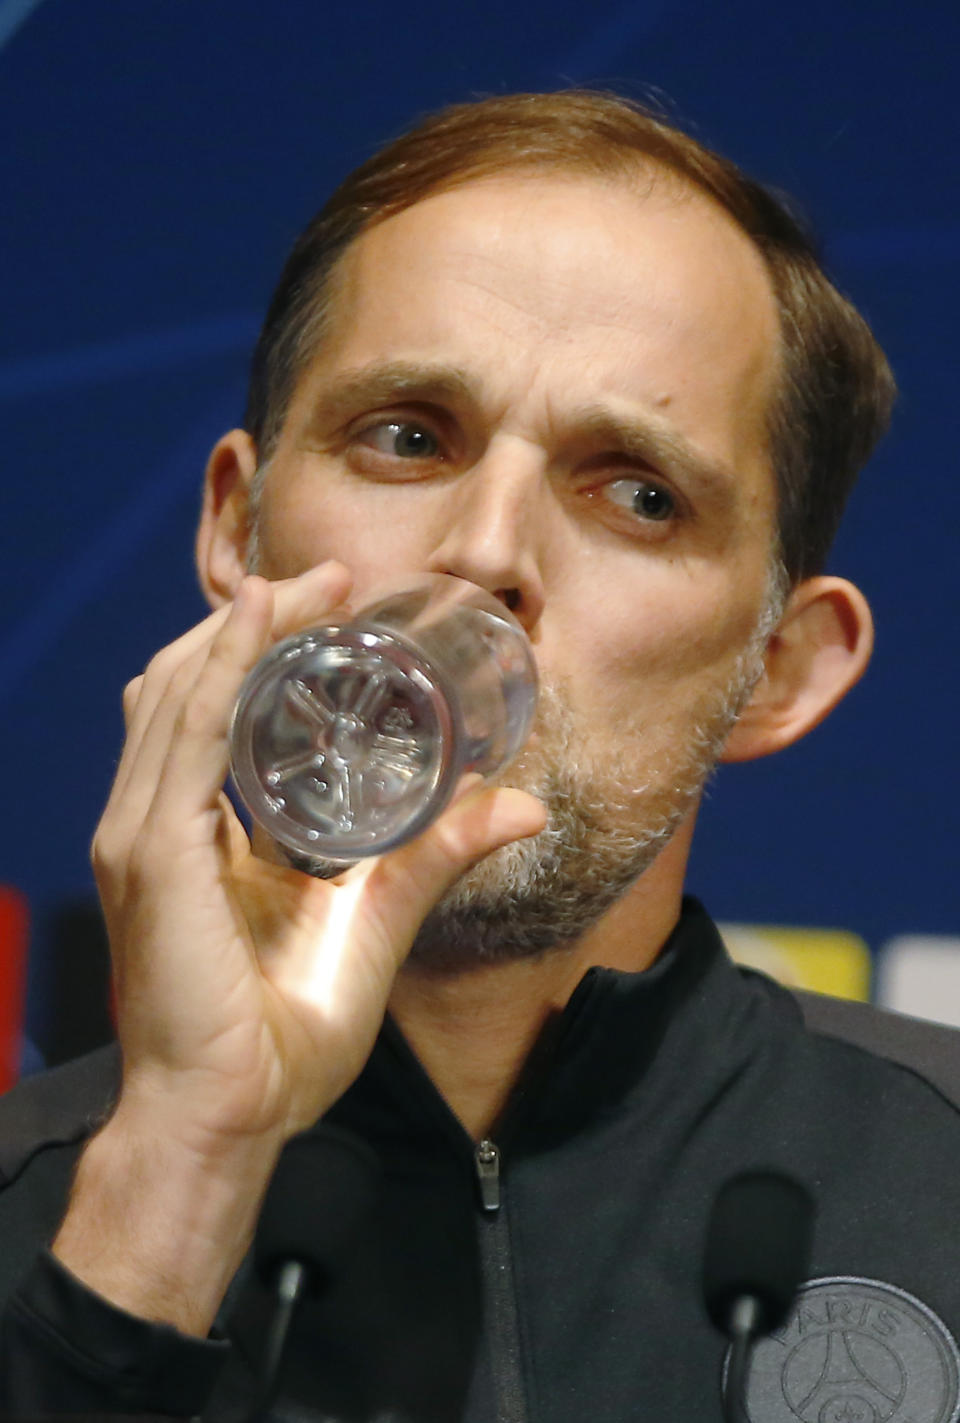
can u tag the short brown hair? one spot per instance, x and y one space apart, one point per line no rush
837 390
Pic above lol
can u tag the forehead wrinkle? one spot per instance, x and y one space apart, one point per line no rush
554 303
519 299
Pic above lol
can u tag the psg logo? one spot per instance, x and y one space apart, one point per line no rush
856 1351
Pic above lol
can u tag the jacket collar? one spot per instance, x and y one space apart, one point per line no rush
622 1037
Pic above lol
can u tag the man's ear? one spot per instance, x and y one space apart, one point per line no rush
819 650
223 535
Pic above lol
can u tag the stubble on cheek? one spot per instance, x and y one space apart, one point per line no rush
611 808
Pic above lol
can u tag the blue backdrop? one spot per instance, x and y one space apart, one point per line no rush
159 156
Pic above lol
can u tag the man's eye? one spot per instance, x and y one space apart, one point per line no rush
643 498
402 439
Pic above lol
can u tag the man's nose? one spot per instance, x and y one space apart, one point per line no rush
496 533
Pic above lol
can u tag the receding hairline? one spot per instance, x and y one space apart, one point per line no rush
677 186
835 393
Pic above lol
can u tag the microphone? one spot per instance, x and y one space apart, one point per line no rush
757 1254
322 1189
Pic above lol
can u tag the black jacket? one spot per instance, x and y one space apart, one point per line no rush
565 1285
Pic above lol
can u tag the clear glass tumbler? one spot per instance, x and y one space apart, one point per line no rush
348 740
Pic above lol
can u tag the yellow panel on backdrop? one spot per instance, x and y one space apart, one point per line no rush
823 960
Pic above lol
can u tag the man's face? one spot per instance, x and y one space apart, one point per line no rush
558 390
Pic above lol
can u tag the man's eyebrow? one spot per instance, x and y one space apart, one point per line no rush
386 383
652 441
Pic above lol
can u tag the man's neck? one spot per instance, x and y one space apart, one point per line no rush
473 1030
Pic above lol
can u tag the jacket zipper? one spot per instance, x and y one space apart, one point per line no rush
496 1266
487 1161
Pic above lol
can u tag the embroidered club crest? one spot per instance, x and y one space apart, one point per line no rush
856 1351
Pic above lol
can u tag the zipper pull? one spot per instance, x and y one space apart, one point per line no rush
487 1161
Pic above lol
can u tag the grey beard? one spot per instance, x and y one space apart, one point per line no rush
543 893
604 829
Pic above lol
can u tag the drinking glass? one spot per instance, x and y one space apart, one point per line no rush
348 739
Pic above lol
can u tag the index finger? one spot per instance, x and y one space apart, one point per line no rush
154 702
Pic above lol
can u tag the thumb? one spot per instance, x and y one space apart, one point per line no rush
408 882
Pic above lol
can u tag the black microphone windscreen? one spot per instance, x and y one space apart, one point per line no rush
758 1244
324 1185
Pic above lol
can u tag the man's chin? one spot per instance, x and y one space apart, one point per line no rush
538 895
607 821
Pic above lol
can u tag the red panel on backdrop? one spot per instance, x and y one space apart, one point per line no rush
14 922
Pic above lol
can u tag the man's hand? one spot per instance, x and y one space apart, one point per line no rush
249 995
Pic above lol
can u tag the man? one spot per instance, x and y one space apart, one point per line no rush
551 346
